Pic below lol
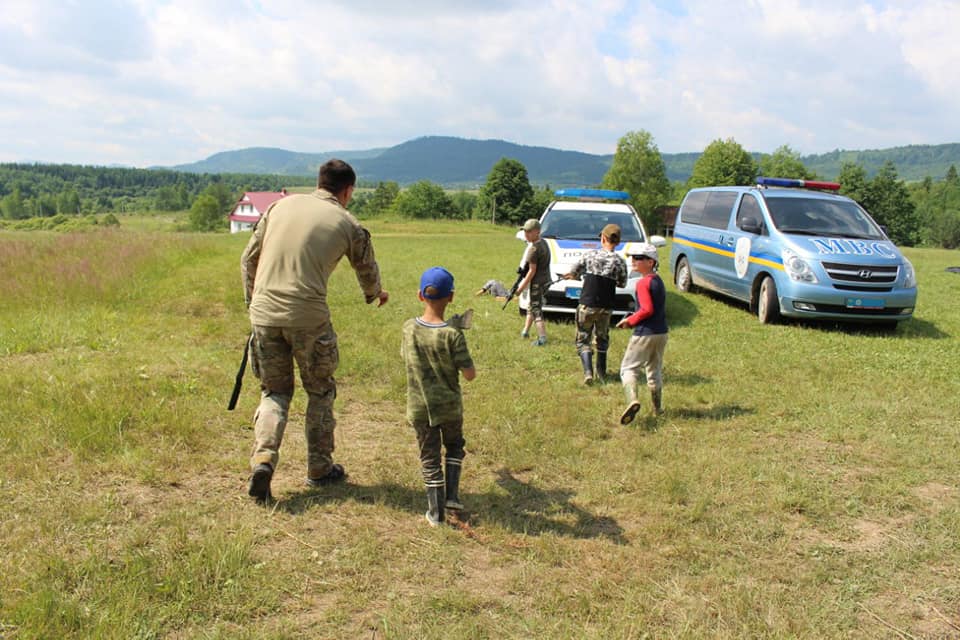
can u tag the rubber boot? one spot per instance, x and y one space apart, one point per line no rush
601 366
587 359
435 505
633 404
656 401
452 473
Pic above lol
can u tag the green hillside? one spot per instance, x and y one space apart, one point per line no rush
458 162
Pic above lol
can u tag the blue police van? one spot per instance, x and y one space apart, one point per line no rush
791 248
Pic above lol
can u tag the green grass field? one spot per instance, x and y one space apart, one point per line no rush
804 482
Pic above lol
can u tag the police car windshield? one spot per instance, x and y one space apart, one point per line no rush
572 224
821 217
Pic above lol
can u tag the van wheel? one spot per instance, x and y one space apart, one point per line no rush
682 277
768 306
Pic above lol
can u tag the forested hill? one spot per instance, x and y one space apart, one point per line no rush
462 162
443 160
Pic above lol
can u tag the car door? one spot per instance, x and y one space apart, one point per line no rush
716 260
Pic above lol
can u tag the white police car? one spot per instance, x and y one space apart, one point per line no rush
789 249
571 226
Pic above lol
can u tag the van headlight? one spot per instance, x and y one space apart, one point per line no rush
797 268
909 275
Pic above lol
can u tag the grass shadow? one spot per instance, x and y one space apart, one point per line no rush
680 311
528 509
908 329
718 412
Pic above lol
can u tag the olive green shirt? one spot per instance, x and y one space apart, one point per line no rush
433 355
295 247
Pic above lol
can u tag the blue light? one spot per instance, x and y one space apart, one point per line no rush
592 194
780 182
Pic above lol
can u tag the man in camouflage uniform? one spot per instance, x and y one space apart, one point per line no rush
603 271
285 267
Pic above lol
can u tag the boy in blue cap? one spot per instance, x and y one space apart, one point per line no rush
434 353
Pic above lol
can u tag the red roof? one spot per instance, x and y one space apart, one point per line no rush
261 201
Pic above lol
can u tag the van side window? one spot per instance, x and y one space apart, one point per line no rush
717 212
692 211
749 209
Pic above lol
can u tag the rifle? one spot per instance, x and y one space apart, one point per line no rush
521 274
239 381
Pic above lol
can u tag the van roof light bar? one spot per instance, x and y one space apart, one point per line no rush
800 184
596 195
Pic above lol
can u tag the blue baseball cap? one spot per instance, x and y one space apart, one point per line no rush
440 279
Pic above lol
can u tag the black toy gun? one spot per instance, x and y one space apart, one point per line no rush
521 274
238 383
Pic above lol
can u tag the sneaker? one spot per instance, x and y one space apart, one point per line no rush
524 334
454 505
630 413
432 522
588 380
260 482
336 474
540 341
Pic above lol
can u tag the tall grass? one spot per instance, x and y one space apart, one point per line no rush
803 482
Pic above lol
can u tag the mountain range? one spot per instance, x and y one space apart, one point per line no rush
462 162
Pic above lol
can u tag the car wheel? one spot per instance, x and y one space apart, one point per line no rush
682 277
768 305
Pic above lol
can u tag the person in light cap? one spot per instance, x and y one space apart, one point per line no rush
434 354
603 271
537 259
649 339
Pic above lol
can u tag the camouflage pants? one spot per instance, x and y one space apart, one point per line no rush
429 439
592 322
273 352
535 309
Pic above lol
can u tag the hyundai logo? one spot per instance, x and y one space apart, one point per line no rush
865 274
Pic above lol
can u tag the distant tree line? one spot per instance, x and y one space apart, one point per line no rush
46 190
925 212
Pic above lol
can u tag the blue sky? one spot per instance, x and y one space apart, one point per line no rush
166 82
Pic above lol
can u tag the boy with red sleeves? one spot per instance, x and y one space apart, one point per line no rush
649 339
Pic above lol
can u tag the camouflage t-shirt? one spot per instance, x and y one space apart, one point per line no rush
433 355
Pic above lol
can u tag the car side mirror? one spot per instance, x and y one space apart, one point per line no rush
751 225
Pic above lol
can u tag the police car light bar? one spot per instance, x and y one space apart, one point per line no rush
592 194
803 184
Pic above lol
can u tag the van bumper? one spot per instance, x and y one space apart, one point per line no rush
806 301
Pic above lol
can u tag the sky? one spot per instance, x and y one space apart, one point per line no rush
165 82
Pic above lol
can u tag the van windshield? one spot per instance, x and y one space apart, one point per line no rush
820 217
572 224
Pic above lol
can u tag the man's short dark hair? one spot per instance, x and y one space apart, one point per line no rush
336 175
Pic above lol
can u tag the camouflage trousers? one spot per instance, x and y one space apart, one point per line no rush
537 292
273 351
592 323
430 439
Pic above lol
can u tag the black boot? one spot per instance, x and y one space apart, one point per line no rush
259 487
452 473
587 359
601 366
435 503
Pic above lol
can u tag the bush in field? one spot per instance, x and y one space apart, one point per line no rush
424 199
206 215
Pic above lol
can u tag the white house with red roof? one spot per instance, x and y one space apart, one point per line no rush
250 207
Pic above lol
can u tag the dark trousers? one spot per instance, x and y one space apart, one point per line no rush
430 439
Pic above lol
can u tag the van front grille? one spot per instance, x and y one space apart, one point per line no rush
861 274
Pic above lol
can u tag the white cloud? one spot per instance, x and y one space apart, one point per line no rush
151 83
